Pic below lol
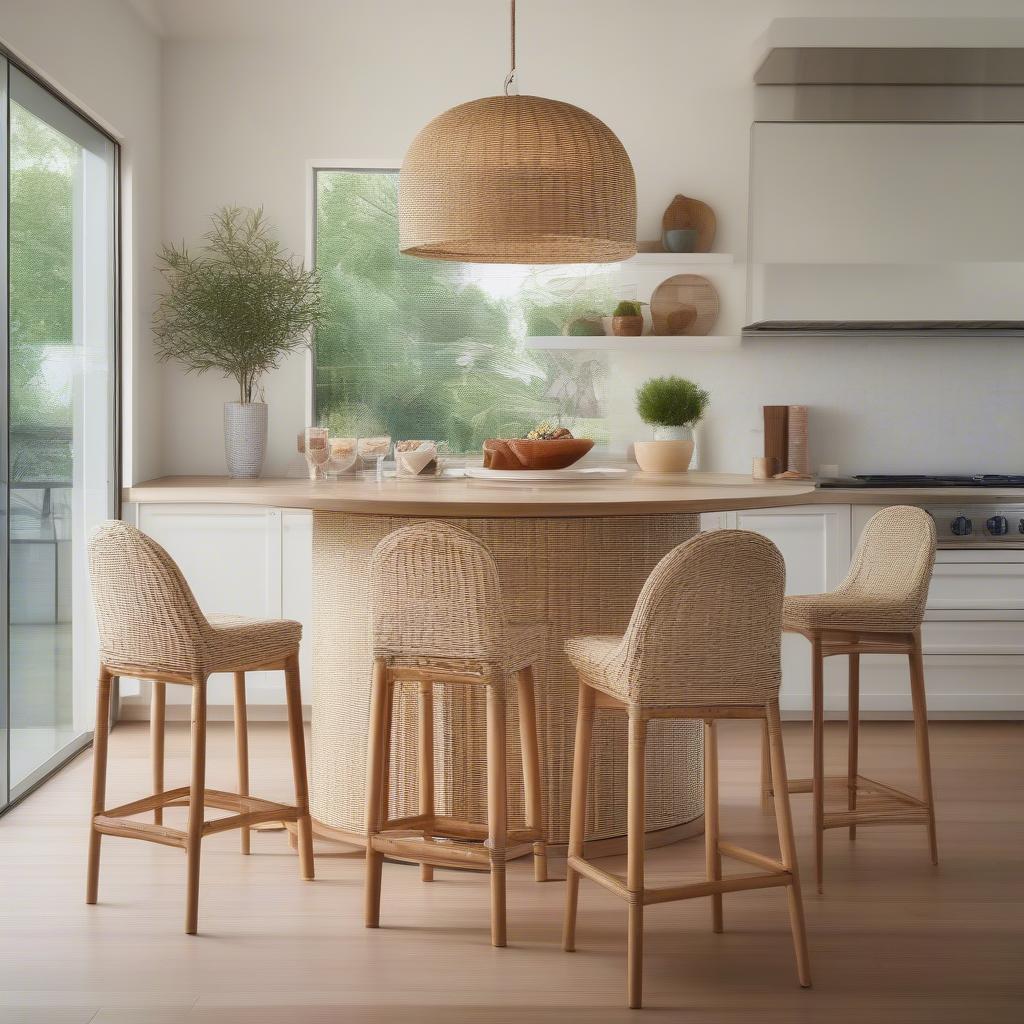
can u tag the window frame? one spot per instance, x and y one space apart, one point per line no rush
11 796
313 168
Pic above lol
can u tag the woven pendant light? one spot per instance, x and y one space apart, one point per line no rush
517 179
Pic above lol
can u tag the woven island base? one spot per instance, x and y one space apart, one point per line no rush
580 575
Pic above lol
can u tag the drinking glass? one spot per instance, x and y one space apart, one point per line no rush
416 458
372 453
318 453
342 454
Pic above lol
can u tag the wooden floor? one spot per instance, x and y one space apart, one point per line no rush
892 939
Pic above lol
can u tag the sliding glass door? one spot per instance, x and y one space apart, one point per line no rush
59 457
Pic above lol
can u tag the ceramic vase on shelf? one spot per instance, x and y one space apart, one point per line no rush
245 438
627 326
669 452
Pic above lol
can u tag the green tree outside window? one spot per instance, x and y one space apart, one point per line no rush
421 348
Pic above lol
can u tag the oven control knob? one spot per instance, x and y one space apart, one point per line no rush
1020 526
997 526
961 526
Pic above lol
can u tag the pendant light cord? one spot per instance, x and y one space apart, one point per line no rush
510 78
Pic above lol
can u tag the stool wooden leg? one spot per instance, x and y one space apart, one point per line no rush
497 811
99 780
531 768
578 809
766 772
385 788
379 724
157 714
196 805
296 734
924 764
426 752
242 749
853 726
787 845
635 858
818 770
712 856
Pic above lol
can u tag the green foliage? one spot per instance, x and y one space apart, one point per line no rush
626 308
43 164
589 326
671 401
238 305
417 348
550 300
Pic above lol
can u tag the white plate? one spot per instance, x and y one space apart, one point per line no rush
554 475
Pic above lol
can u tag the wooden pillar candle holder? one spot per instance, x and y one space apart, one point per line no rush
786 440
776 421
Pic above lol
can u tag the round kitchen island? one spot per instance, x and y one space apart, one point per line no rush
573 554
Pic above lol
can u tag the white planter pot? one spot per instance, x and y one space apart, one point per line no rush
245 438
663 456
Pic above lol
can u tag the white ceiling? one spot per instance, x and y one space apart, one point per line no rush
221 19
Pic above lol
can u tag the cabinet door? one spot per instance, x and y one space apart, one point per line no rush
815 542
231 557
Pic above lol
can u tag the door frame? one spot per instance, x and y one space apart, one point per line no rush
10 796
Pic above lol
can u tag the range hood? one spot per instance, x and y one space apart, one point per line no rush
885 160
892 51
891 65
885 329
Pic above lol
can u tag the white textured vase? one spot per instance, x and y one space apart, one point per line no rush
245 438
663 433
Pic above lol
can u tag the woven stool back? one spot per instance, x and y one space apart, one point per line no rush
145 611
892 566
434 593
707 626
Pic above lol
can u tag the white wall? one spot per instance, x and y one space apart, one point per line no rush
252 91
104 57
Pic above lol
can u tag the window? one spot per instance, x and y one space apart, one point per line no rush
430 349
59 458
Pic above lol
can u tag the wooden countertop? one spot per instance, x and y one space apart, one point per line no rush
460 497
639 494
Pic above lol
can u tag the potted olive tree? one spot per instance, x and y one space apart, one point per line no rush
238 304
672 405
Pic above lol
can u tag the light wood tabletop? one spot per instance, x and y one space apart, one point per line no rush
632 494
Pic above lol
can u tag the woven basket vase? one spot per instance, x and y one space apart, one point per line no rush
517 179
245 438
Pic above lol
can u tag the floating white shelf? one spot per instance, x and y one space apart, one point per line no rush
647 343
679 259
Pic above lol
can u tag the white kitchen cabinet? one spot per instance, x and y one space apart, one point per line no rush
242 559
815 542
257 561
973 636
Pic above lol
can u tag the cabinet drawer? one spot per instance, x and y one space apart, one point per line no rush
973 637
977 585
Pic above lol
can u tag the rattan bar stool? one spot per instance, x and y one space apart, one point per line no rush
877 609
703 643
438 618
151 627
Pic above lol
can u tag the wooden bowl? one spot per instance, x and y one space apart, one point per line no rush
517 453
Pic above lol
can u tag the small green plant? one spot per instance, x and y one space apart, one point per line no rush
671 402
238 304
627 308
